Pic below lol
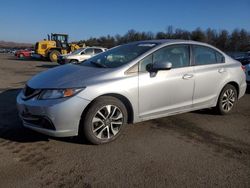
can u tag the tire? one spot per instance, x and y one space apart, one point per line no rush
54 55
227 100
73 61
104 120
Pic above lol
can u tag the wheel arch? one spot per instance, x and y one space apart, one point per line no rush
233 83
236 85
127 104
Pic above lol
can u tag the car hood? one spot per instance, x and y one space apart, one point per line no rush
66 76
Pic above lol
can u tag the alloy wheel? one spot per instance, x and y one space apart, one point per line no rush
228 100
107 122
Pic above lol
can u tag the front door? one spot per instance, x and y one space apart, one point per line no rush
166 91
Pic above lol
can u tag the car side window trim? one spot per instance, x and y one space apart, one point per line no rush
133 70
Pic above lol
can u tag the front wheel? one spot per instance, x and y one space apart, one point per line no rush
104 120
53 56
227 100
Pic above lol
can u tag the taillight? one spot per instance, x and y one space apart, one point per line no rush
243 68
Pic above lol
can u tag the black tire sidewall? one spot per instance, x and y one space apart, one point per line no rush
73 61
95 106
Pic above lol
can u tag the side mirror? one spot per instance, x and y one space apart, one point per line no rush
158 66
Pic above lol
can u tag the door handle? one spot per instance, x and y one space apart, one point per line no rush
221 70
187 76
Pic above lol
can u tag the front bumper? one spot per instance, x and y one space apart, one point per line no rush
57 117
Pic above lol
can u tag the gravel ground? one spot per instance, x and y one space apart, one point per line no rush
198 149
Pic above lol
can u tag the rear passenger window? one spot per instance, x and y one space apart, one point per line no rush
220 58
205 56
97 51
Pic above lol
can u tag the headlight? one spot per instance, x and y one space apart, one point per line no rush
58 93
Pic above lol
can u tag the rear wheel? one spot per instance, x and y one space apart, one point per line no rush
53 56
104 120
74 61
227 100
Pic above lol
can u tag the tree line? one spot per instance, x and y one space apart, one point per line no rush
236 40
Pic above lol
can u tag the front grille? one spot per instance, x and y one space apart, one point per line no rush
29 92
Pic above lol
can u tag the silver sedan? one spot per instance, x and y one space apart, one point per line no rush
128 84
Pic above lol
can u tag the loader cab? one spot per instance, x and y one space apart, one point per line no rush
60 39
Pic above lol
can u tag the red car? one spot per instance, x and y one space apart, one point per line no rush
24 53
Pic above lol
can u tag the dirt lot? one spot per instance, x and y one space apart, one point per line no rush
198 149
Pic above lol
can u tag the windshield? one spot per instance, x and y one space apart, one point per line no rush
77 51
119 56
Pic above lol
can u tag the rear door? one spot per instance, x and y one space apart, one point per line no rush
210 72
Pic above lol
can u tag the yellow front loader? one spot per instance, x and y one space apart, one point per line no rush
54 46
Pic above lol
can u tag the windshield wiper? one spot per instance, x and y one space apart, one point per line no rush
98 64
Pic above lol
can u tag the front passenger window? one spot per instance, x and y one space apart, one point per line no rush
89 51
178 55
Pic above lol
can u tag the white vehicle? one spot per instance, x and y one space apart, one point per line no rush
79 55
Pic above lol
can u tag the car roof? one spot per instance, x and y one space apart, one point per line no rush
94 47
166 41
175 41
